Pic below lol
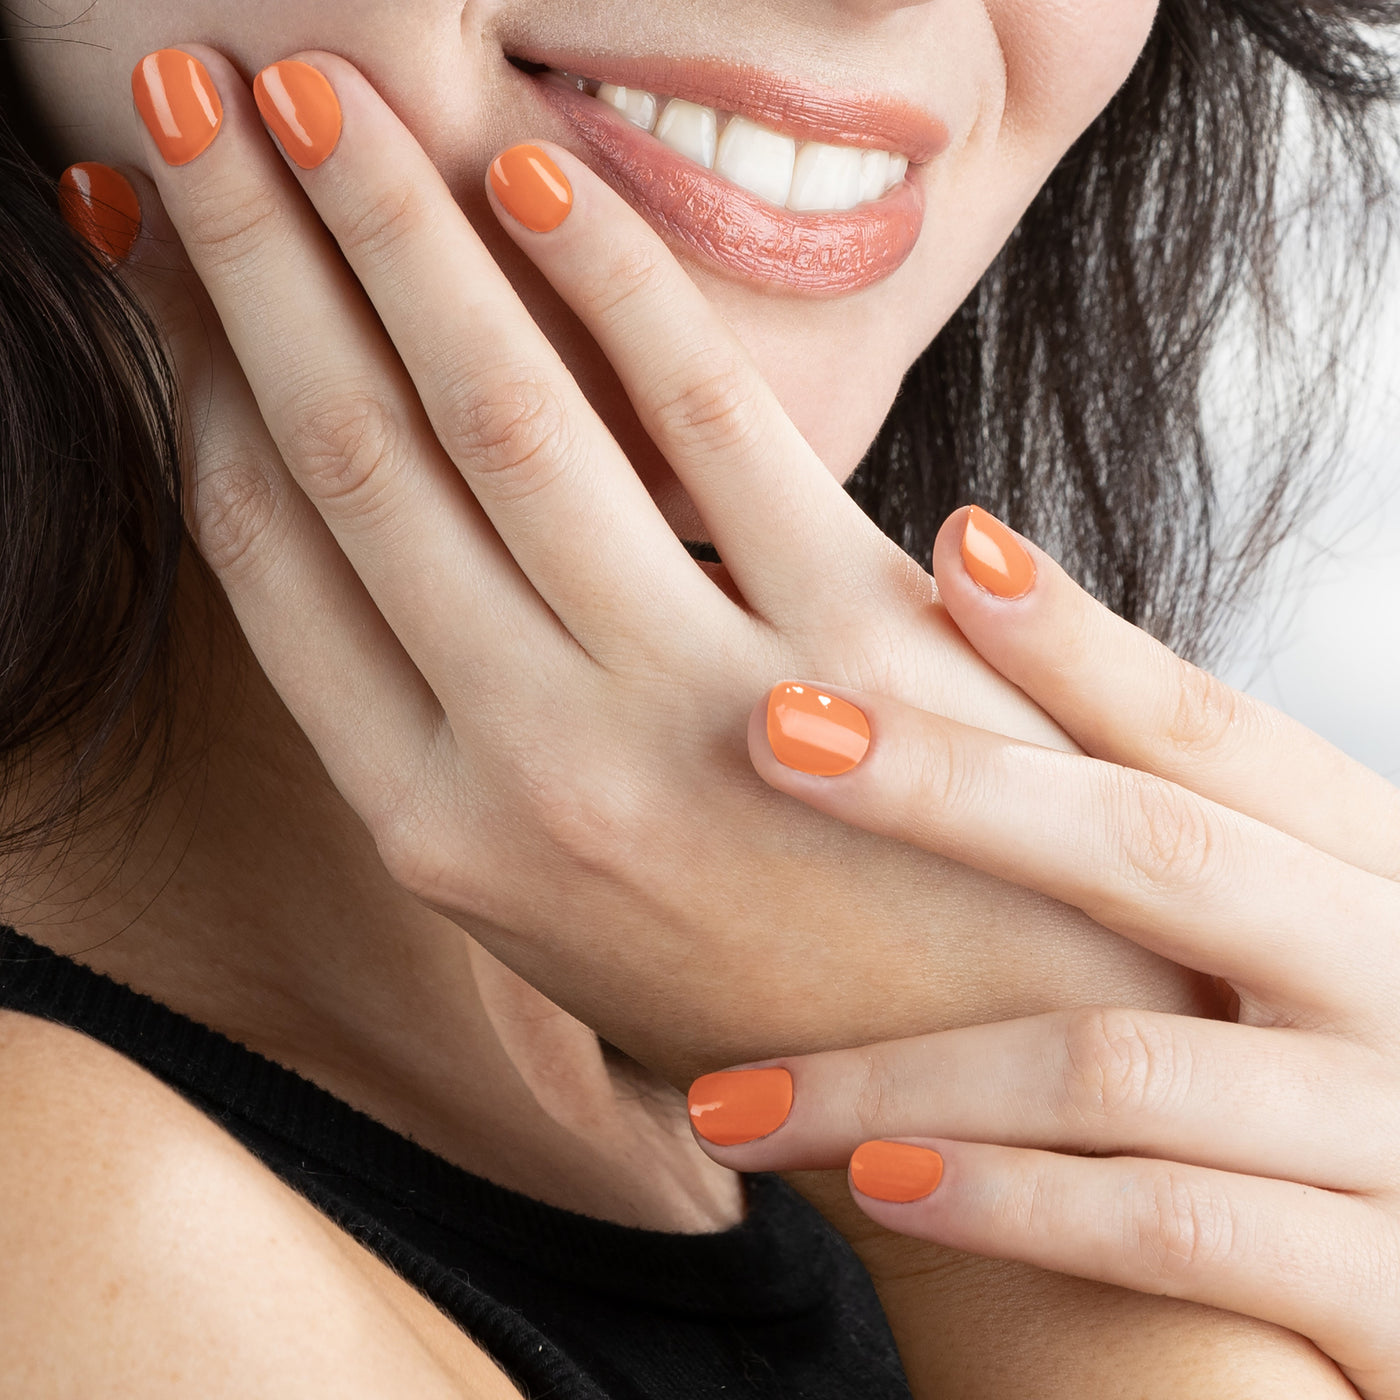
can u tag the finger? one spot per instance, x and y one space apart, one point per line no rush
309 622
778 517
341 410
1309 1260
1125 697
1182 876
558 490
1099 1080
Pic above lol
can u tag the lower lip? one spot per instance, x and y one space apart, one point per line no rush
807 254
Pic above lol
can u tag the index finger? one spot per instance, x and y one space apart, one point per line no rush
553 482
1124 697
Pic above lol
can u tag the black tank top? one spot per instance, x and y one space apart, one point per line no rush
573 1308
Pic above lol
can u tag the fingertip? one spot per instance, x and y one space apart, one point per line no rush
895 1173
734 1107
994 557
101 204
527 184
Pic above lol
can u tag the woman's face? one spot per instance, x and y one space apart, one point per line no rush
986 95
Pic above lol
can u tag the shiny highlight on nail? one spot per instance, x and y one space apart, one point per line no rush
99 204
737 1106
994 558
816 733
896 1172
533 189
301 109
179 103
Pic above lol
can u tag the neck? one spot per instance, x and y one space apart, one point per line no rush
252 900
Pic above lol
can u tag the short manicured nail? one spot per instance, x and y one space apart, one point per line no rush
99 204
895 1171
739 1105
533 189
995 558
178 102
814 732
300 107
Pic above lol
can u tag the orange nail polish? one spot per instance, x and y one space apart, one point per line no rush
895 1171
178 102
300 106
99 204
814 732
533 189
995 558
739 1105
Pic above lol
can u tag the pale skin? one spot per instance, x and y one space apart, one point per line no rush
318 905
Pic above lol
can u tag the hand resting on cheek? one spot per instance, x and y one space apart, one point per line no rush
510 667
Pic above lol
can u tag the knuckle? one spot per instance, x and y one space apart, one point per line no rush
945 779
1173 840
1208 715
871 1089
236 504
1184 1224
230 224
515 434
1119 1065
412 844
385 221
635 272
341 450
710 406
590 825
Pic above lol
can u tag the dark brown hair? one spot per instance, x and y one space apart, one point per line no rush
1066 394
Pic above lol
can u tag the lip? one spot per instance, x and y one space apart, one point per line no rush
868 120
816 255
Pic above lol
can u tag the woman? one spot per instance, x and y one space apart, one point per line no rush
497 697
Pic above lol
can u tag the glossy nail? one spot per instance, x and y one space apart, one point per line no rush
995 558
533 189
179 103
99 205
895 1171
814 732
301 109
739 1105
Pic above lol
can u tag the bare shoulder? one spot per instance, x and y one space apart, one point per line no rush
146 1254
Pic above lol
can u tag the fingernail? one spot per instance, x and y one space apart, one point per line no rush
300 106
814 732
740 1105
99 204
178 102
895 1171
533 189
994 557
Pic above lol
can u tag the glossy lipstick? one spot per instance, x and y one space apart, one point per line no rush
825 254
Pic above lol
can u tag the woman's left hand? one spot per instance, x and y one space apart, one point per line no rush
1252 1166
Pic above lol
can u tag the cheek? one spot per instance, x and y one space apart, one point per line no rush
1064 60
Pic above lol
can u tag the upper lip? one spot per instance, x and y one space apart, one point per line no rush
869 120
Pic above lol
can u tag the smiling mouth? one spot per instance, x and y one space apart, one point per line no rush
805 192
807 177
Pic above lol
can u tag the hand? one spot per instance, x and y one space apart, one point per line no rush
1255 1166
510 667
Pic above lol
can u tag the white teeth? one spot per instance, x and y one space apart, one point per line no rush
874 174
825 178
757 159
691 130
807 177
637 106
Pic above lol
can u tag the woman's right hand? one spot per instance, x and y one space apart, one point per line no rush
509 665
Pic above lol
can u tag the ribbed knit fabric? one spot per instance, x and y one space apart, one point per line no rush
573 1308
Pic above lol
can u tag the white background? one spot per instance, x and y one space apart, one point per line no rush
1324 641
